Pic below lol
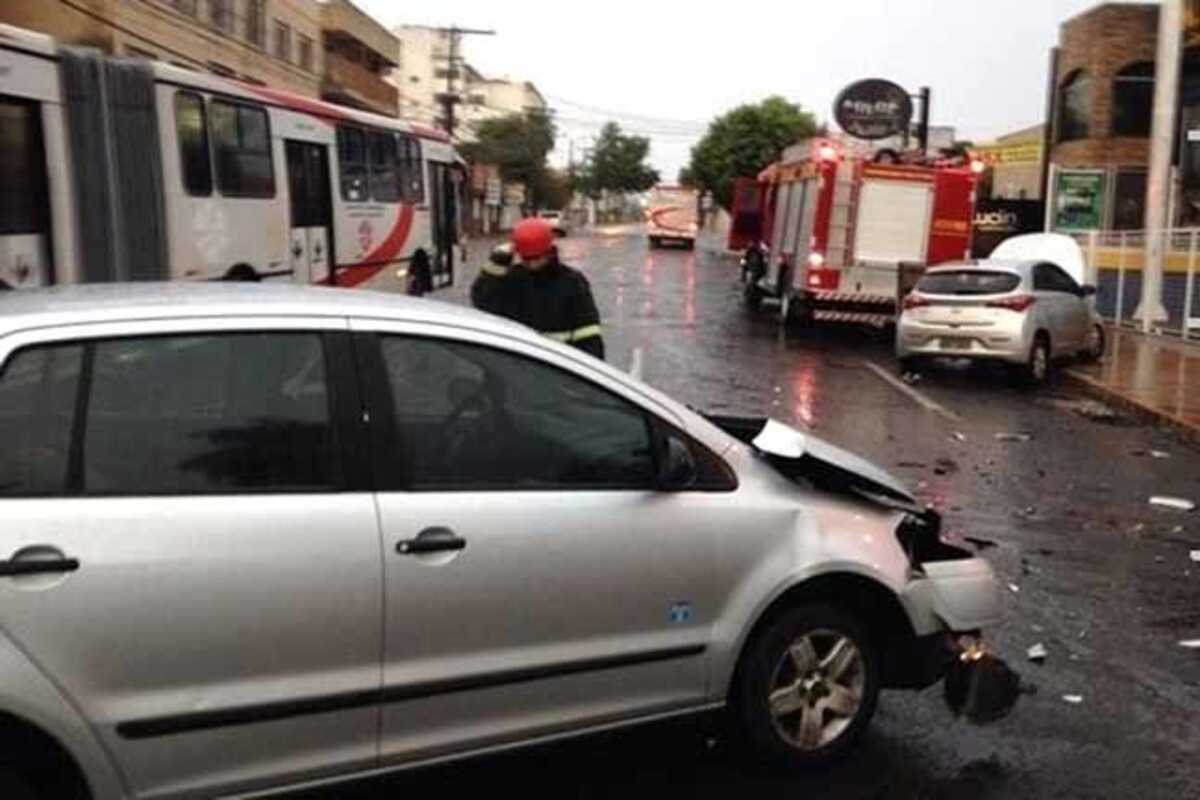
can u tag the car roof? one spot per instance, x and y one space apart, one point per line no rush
23 309
985 265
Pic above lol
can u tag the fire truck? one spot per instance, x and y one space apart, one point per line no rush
847 237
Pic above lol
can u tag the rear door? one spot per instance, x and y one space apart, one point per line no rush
311 210
188 550
1077 316
1056 305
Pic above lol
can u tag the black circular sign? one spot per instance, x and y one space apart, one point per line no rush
873 109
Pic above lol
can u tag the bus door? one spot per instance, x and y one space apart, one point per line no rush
24 199
444 185
311 211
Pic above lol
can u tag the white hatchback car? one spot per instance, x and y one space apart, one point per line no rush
259 538
1024 313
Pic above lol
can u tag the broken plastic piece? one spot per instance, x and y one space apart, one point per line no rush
959 437
1177 503
1191 644
1012 587
1013 437
1037 653
1073 699
1159 454
1195 554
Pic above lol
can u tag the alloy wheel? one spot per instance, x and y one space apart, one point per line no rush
817 689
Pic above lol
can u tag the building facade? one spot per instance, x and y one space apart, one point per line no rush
267 42
420 76
359 55
1015 163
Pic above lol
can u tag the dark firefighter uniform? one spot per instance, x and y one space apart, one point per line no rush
556 301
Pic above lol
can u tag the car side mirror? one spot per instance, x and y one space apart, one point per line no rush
676 466
1087 291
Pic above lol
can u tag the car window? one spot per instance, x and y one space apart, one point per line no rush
1050 278
205 414
473 417
968 282
38 393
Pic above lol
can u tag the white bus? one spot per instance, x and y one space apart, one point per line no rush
120 169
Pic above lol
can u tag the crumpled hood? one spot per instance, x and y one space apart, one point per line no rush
787 442
799 454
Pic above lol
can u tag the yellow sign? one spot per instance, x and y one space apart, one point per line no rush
1010 154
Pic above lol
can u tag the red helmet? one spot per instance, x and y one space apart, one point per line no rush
533 238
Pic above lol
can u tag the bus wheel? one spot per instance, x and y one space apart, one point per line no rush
242 272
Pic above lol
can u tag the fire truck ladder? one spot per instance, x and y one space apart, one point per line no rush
841 225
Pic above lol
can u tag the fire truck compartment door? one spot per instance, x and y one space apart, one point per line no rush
893 221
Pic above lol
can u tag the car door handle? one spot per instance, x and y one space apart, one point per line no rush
11 569
431 540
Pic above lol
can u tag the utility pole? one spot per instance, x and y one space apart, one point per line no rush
1162 135
926 95
451 98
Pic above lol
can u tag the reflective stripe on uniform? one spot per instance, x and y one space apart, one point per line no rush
586 332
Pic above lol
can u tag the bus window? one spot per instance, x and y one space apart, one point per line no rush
242 142
194 164
22 169
352 164
412 172
385 183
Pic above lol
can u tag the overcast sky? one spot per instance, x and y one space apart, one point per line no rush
665 68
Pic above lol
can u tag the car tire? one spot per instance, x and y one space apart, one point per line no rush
1037 367
15 786
822 669
1095 345
655 243
912 364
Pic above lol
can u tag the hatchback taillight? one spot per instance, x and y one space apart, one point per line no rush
1018 302
914 300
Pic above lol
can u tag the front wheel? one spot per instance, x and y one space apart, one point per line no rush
807 687
1094 350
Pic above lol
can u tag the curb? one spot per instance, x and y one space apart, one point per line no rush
1144 412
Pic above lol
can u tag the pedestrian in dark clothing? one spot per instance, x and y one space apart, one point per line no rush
420 274
541 291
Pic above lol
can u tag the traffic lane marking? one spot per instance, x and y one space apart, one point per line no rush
918 397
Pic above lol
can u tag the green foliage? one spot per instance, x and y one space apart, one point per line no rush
743 141
617 164
518 144
552 188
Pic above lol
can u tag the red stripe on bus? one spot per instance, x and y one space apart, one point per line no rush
387 251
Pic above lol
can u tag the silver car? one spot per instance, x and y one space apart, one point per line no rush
1024 313
262 538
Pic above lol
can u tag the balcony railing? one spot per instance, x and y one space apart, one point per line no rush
348 81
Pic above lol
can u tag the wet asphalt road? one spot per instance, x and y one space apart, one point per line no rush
1095 574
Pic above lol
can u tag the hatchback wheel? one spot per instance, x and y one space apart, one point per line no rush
1037 368
808 686
1095 344
14 786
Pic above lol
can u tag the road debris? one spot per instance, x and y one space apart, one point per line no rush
911 378
1037 653
911 464
980 544
1195 555
1190 644
1012 587
1013 437
945 466
1073 699
1152 453
1177 503
958 437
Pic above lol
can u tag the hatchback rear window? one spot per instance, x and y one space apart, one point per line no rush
968 282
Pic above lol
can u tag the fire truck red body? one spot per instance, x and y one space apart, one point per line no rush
848 238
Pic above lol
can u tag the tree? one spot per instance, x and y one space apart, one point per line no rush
553 189
518 144
617 164
741 142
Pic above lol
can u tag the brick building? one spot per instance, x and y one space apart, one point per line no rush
1102 98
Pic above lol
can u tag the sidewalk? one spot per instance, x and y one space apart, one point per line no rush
1155 376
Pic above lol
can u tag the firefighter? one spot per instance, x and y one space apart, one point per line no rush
540 291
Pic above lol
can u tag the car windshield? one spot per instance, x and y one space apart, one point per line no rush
969 282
